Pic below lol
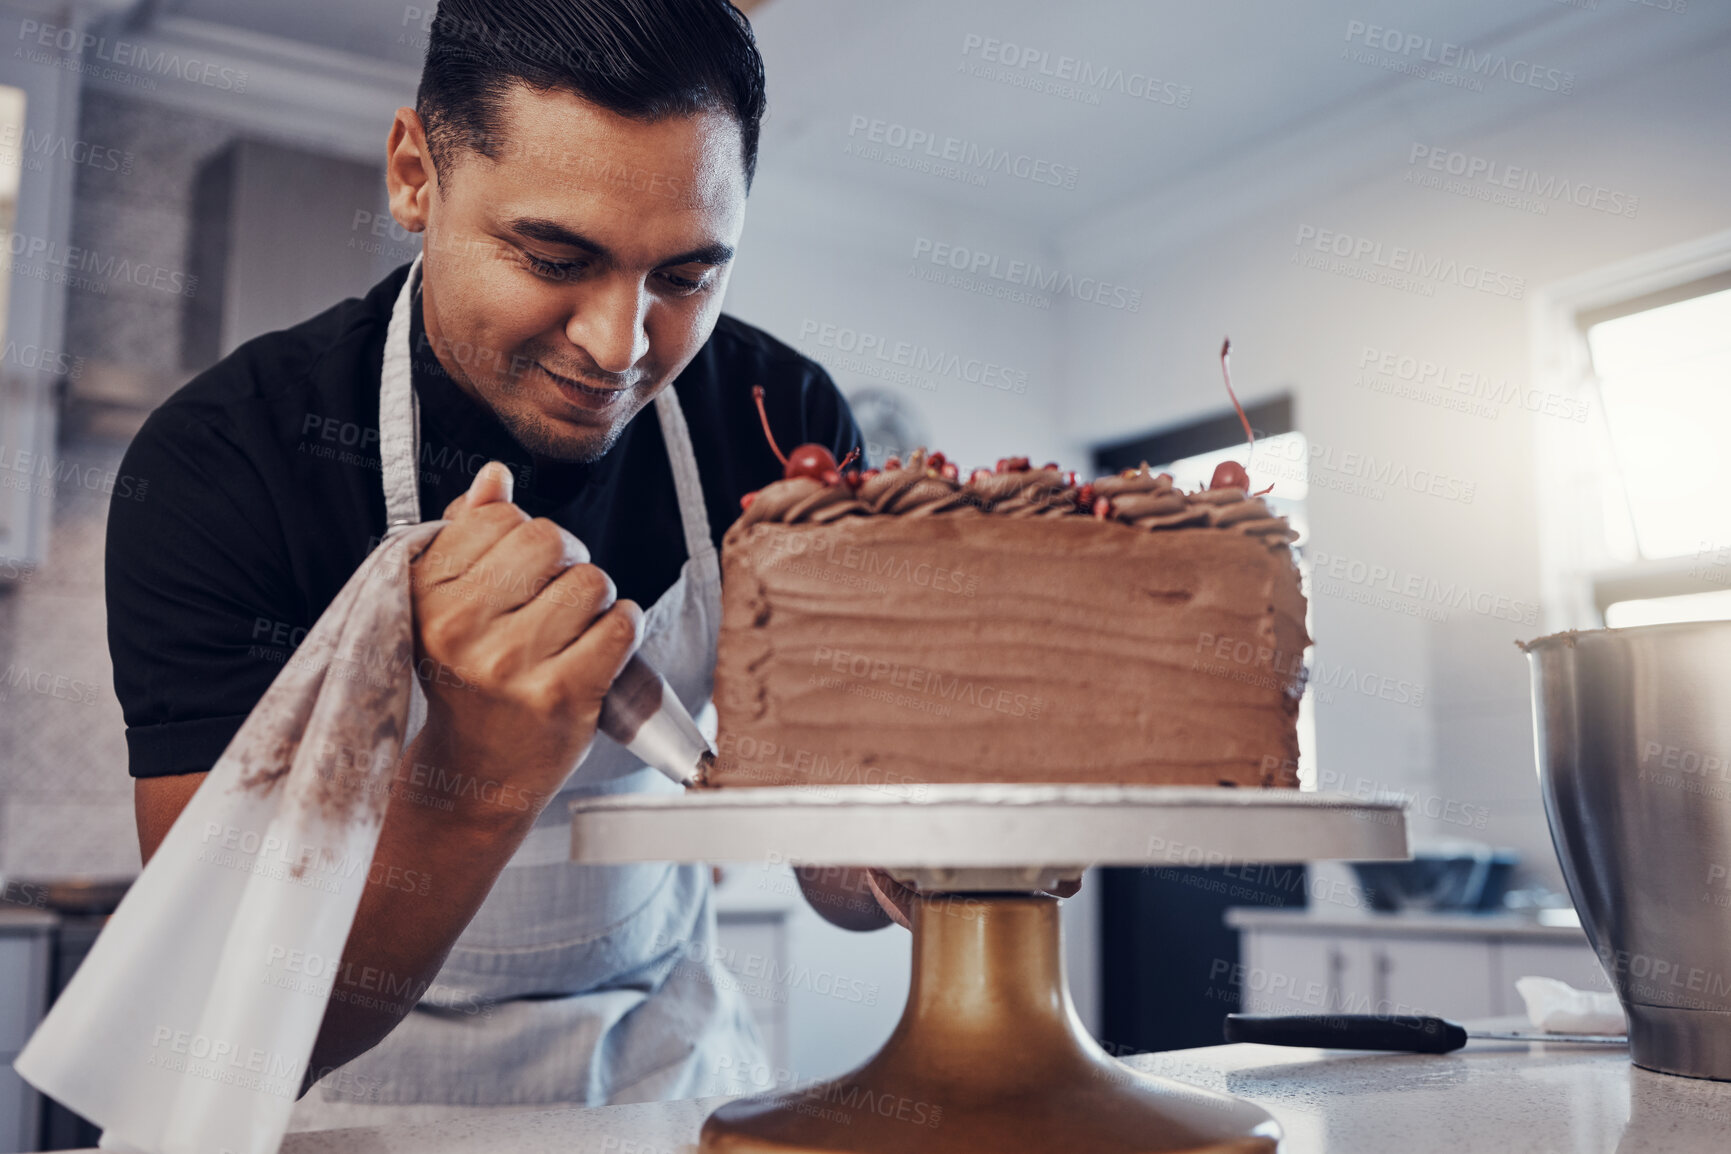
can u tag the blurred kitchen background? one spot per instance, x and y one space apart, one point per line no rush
1474 257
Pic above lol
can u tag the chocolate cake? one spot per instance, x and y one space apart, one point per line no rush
909 626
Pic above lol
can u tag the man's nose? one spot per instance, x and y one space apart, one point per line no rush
609 324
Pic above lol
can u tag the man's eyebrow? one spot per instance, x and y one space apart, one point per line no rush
552 232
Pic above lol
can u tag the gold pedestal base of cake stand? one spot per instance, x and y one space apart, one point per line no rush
990 1056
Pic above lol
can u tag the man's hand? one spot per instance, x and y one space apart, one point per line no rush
897 900
518 640
870 899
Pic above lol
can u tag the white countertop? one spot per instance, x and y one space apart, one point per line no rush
1409 924
1490 1098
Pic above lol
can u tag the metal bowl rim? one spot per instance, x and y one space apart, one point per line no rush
1569 638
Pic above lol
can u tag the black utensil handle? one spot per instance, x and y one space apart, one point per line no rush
1405 1033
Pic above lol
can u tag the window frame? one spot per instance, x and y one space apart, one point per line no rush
1579 576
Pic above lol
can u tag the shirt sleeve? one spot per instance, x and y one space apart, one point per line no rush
202 610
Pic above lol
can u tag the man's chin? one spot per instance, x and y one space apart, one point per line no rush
564 440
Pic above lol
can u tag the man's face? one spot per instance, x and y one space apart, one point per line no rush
568 281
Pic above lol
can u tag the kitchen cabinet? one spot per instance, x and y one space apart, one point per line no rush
1453 965
25 938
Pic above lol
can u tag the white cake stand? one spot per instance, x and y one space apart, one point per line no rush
989 1054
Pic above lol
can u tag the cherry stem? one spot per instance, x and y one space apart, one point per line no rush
847 460
757 395
1226 372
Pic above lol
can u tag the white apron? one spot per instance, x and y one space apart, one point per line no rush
573 985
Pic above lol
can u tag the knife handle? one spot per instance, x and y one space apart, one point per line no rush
1404 1033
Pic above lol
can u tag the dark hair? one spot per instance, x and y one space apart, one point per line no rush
646 59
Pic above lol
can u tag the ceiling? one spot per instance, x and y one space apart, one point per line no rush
1239 78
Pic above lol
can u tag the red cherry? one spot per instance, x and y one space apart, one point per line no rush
1085 497
852 477
936 461
893 463
869 474
978 475
810 461
745 501
1070 479
831 477
1019 464
1102 507
1050 465
948 471
1230 475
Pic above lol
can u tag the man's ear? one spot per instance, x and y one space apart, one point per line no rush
409 173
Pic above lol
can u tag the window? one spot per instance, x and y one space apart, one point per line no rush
1665 378
1636 500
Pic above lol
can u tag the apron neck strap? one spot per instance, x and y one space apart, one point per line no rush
676 434
400 414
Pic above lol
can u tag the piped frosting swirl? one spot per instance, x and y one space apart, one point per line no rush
1137 497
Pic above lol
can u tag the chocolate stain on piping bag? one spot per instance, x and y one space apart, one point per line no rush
633 700
341 701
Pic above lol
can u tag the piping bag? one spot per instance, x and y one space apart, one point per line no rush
189 1027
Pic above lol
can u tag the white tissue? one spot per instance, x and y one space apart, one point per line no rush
1558 1008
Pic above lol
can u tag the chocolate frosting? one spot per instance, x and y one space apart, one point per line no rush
1137 497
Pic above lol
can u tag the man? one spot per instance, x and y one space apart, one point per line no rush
578 170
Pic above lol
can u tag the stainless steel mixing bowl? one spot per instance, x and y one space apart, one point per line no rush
1633 734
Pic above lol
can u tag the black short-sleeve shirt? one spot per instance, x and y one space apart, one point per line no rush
259 493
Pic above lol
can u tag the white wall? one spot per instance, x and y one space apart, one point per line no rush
1466 749
822 266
